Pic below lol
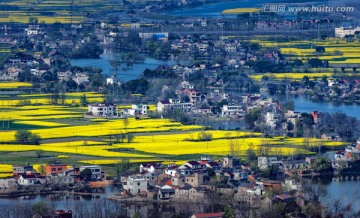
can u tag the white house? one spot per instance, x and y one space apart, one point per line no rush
272 118
232 110
140 109
265 162
148 167
27 180
102 110
135 25
136 184
292 184
171 170
7 183
341 32
81 78
174 103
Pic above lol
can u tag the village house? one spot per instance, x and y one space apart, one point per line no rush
292 184
265 162
171 170
62 180
249 193
331 136
96 173
341 32
136 110
28 180
232 110
317 116
149 167
81 78
216 167
272 118
195 180
230 162
17 170
182 192
174 103
166 192
55 168
136 184
7 183
193 94
64 75
102 110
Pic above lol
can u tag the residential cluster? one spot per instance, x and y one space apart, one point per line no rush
200 180
56 174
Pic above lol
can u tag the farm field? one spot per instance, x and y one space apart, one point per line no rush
240 10
51 11
155 139
43 99
337 52
67 136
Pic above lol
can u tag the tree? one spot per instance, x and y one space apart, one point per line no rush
289 105
320 49
34 139
315 62
322 165
86 174
40 209
251 155
126 123
83 100
71 85
204 136
122 166
22 136
130 137
42 170
297 63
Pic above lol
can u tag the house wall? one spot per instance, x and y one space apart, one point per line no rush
136 186
55 169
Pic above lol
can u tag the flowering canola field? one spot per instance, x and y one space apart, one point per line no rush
65 132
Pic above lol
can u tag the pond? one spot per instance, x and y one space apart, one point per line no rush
124 75
305 104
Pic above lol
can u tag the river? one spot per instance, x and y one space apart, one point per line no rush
124 75
214 10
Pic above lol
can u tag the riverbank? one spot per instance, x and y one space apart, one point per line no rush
15 194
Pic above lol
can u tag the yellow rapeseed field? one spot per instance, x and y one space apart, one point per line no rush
240 10
14 85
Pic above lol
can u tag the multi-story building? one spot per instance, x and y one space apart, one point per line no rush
136 184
